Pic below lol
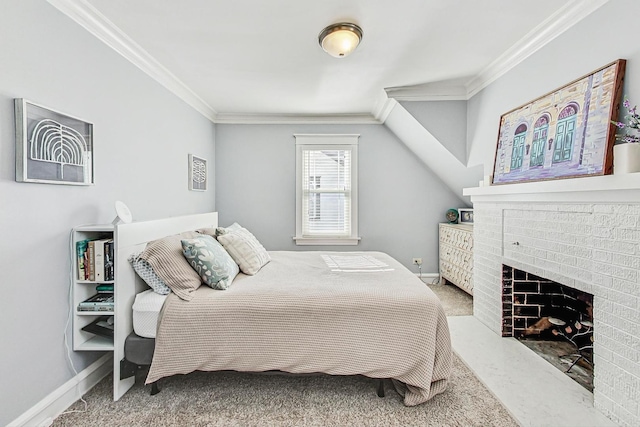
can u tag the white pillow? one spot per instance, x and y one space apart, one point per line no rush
244 248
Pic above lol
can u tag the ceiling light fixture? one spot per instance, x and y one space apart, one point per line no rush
339 40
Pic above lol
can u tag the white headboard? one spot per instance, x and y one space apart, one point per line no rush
129 239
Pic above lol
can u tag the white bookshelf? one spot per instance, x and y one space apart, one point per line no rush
83 289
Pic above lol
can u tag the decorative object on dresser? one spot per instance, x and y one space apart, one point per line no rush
456 255
51 147
466 215
563 134
197 173
452 216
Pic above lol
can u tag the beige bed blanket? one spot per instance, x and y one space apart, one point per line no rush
341 314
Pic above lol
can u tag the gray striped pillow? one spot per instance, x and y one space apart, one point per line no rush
244 248
167 260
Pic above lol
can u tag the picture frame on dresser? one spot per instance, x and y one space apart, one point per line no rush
465 216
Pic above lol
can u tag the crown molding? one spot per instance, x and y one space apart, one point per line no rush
277 119
383 107
443 91
106 31
563 19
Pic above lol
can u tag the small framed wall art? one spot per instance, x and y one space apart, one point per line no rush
52 147
466 216
197 173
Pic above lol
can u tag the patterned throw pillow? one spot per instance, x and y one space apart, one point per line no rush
147 274
208 258
244 248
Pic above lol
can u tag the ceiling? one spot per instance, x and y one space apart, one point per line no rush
244 58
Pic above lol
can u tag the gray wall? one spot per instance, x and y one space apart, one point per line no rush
400 200
609 33
142 137
445 120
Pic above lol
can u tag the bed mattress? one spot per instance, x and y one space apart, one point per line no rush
146 309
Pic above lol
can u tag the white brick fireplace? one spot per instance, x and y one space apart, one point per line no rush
583 233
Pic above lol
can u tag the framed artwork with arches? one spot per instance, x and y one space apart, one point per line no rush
566 133
52 147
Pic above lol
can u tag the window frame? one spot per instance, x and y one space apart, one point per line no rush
333 142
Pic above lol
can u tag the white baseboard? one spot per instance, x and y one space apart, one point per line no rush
44 412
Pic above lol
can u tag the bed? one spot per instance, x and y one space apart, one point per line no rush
338 313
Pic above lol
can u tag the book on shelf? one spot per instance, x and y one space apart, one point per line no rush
98 260
98 302
109 262
81 249
108 308
105 288
91 258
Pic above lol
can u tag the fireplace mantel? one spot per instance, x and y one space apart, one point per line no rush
580 232
623 188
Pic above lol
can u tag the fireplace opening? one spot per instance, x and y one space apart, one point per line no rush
552 319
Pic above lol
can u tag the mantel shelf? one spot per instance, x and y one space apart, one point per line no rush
595 189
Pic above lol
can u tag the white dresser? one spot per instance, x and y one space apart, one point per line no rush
456 255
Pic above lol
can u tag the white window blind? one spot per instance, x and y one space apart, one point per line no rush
326 192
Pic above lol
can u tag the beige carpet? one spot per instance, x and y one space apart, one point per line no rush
238 399
455 301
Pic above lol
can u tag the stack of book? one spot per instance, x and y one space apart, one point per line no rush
102 301
95 260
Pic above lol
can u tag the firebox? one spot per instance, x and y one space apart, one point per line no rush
554 320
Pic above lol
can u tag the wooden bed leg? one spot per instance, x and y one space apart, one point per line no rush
381 388
154 388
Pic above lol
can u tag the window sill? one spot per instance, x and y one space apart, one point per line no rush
327 241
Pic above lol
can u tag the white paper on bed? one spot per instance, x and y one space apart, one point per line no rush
354 263
297 315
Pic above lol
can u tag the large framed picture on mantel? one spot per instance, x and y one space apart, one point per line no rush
566 133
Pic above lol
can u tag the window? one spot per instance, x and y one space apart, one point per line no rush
326 190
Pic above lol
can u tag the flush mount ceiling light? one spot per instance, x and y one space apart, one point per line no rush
339 40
